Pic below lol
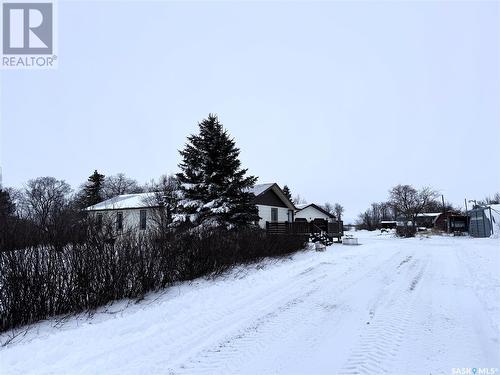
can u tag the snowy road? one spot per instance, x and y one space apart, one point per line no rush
415 306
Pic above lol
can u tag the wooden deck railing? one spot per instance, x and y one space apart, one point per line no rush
333 229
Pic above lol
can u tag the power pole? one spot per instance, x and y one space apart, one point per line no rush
444 213
491 223
467 216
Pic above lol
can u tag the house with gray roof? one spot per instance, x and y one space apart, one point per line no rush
138 211
127 212
272 203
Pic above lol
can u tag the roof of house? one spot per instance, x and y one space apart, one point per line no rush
319 208
260 189
125 201
429 214
142 200
302 205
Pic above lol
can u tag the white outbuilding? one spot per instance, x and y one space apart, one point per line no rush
310 212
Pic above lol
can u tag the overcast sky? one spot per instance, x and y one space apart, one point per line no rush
338 100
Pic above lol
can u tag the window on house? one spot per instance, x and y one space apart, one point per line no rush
119 221
142 220
274 214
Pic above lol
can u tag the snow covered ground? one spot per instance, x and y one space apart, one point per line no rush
398 306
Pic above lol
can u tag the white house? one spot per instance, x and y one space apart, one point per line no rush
137 211
272 203
127 212
310 212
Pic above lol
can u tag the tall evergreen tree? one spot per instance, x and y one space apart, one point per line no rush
7 206
287 192
93 190
213 184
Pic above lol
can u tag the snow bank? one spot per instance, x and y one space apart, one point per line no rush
394 306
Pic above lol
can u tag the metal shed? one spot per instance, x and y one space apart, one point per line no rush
482 221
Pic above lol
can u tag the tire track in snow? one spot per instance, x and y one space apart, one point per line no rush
188 330
476 286
244 344
388 326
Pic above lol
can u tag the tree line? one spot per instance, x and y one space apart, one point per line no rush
47 211
57 259
405 203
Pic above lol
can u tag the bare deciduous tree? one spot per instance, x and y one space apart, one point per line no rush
491 200
437 206
386 211
338 210
120 184
297 199
409 202
365 220
370 219
328 207
45 202
335 209
43 199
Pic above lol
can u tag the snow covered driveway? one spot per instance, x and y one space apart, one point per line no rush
400 306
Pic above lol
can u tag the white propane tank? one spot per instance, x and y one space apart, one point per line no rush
320 246
349 240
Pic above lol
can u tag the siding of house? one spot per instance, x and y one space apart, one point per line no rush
310 213
131 218
442 222
269 198
265 214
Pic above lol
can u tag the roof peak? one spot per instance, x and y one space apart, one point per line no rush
122 201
